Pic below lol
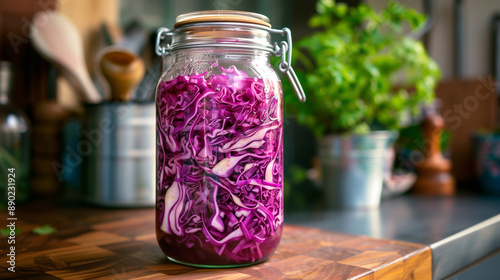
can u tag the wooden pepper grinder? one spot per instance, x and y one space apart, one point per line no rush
433 172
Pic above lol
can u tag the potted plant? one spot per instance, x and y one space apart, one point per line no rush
364 76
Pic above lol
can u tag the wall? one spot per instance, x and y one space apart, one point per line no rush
477 15
154 13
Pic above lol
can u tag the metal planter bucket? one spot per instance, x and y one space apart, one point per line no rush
353 168
119 170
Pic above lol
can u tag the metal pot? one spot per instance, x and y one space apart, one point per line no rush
353 168
119 157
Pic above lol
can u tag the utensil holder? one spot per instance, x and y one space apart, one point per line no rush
118 150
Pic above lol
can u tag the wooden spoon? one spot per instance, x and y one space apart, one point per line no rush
123 70
57 40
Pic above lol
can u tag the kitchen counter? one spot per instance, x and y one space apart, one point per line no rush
460 229
408 236
96 243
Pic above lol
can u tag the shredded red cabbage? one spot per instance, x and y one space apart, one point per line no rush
219 168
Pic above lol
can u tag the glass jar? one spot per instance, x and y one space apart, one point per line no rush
14 143
220 140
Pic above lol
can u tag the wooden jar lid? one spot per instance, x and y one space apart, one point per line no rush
222 16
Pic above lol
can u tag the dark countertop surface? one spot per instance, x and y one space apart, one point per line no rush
105 244
459 229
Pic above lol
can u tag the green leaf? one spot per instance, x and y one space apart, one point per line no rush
6 231
44 230
323 6
298 174
316 21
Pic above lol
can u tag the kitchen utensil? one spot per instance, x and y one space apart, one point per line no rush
123 70
135 37
57 40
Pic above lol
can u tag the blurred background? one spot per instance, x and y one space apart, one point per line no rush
470 21
462 36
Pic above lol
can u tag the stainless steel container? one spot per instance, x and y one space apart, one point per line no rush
118 150
353 168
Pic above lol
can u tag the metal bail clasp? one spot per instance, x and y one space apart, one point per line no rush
285 66
161 35
297 87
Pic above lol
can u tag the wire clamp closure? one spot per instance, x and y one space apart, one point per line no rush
162 34
284 49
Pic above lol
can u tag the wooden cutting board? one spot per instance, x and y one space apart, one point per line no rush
94 243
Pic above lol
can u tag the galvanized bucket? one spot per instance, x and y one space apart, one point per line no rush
352 168
119 167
